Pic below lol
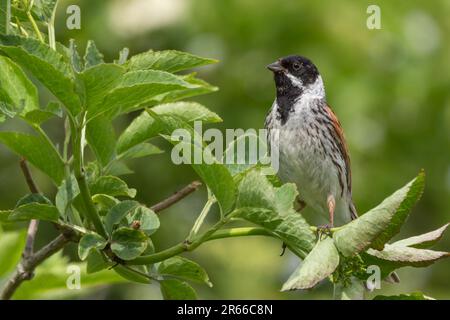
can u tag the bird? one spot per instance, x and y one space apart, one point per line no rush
312 149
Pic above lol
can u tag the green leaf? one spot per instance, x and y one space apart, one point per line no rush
112 186
318 264
118 168
92 56
406 296
148 220
173 289
393 257
88 242
5 16
200 87
184 269
96 262
98 82
11 244
101 138
131 274
50 67
75 58
406 199
376 227
128 243
44 9
137 89
145 127
67 192
35 211
139 151
17 92
169 60
354 290
272 208
119 212
104 201
33 198
38 151
214 174
423 241
39 116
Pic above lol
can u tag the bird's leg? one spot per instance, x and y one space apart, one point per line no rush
331 202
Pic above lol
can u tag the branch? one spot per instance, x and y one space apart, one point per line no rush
34 224
25 269
177 196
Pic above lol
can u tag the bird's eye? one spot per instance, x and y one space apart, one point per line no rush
296 66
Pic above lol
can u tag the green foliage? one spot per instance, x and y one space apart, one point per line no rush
50 67
145 126
38 151
12 244
128 243
18 95
272 208
173 289
408 296
184 269
376 227
35 211
90 242
319 264
50 281
169 60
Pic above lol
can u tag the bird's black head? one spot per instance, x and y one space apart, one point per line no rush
293 73
295 76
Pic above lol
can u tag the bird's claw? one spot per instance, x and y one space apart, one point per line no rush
324 229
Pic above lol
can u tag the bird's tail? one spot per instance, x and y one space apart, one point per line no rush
393 277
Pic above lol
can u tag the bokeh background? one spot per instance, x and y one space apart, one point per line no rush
389 87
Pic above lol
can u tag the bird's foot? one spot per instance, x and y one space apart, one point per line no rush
324 229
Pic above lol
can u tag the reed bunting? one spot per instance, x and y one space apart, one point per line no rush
312 149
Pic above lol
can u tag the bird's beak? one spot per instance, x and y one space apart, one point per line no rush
275 67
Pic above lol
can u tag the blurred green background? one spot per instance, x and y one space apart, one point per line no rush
389 87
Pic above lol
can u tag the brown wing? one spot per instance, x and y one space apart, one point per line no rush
341 143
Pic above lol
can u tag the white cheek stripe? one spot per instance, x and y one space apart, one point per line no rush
296 82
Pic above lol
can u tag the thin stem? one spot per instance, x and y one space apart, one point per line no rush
34 224
51 30
240 232
91 211
28 177
201 218
181 247
177 196
35 26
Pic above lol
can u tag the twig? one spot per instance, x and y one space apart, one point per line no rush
27 174
177 196
25 269
34 224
